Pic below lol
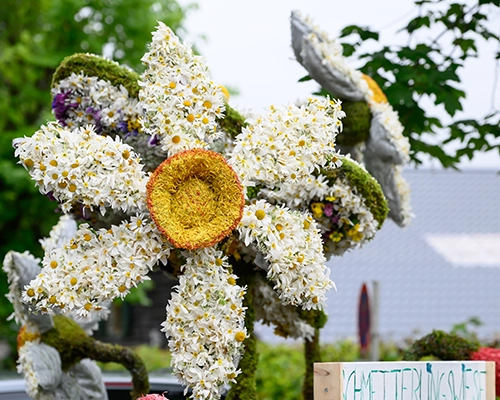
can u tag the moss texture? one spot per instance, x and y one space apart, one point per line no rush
92 65
246 387
365 185
233 122
356 124
312 355
73 345
442 345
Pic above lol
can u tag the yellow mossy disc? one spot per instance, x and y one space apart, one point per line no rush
378 95
195 198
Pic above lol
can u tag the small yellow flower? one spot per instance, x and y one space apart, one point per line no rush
317 209
336 236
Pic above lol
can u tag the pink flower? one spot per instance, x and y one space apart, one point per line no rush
153 397
328 209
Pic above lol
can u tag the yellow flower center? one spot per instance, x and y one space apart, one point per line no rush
195 198
240 336
260 214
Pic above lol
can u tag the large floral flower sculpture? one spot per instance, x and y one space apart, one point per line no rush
254 203
386 150
56 352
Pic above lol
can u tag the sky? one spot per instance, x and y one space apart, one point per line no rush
247 47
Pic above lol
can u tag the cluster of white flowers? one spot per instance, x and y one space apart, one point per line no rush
296 195
287 144
82 166
80 100
205 324
97 266
345 221
270 310
292 247
15 291
180 100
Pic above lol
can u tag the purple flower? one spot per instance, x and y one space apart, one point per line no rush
59 106
328 209
336 219
154 141
96 115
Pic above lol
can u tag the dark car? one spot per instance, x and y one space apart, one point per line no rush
12 386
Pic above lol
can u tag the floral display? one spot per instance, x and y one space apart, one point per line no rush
386 148
158 171
80 100
344 215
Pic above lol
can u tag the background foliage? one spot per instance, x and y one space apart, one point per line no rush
422 78
35 35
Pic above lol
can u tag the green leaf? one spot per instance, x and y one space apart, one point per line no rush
305 78
364 33
418 23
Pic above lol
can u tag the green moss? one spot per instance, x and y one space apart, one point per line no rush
365 185
233 122
246 386
69 339
316 318
356 124
92 65
73 345
444 346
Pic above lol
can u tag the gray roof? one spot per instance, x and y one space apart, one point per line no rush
419 289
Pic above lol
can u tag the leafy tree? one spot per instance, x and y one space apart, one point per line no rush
35 35
427 71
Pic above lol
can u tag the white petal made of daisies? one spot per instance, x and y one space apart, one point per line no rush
287 143
291 243
205 324
81 166
180 101
97 266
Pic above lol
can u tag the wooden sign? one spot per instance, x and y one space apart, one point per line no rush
421 380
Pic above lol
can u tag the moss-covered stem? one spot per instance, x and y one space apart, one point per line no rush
312 355
73 345
106 352
246 387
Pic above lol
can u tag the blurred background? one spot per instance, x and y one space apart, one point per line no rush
437 62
